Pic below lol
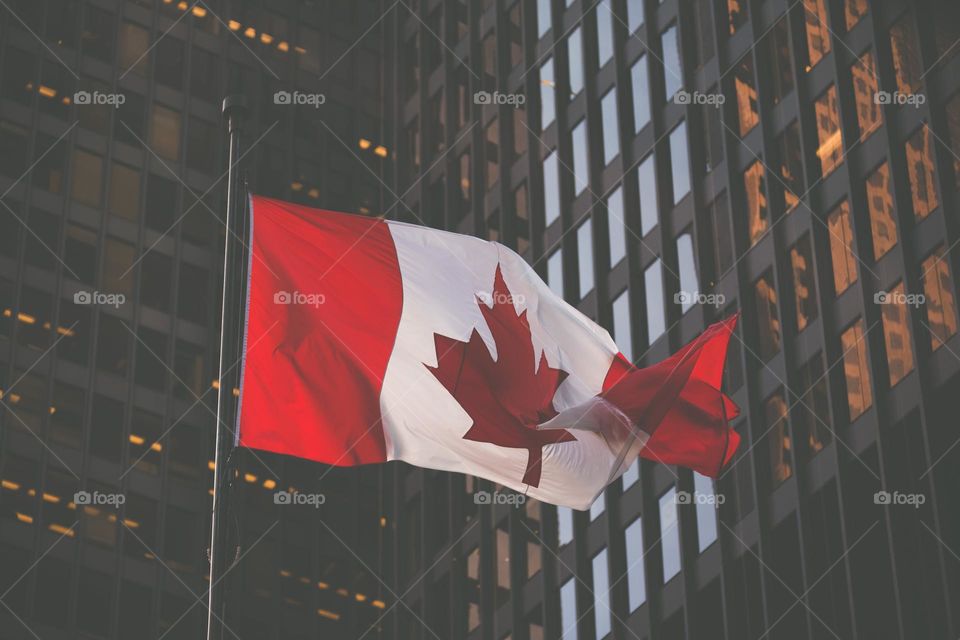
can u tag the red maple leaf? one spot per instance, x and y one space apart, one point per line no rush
507 397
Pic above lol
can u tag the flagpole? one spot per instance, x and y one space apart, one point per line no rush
234 109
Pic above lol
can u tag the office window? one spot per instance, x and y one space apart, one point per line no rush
616 226
585 256
653 287
125 191
604 13
688 271
473 589
634 15
564 525
738 14
717 224
804 284
672 70
712 136
669 534
647 179
778 437
503 566
813 407
791 166
622 334
706 503
679 162
768 320
601 595
581 168
841 248
519 130
921 171
863 73
170 63
534 556
463 183
636 575
641 93
746 90
896 333
827 115
86 178
778 51
611 126
555 271
883 227
575 56
856 370
547 86
853 10
134 43
551 189
906 55
543 17
754 184
940 303
598 507
632 474
491 153
818 34
568 610
165 132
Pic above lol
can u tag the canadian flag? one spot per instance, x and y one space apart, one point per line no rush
370 340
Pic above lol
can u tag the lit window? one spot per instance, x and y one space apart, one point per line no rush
830 150
555 271
768 320
669 534
940 302
87 173
896 333
134 43
865 88
636 576
653 286
906 55
738 14
841 248
581 168
616 226
775 425
953 127
575 57
853 10
672 71
688 271
611 126
622 334
568 610
804 287
921 171
746 95
564 525
818 34
641 93
585 256
679 163
601 594
165 132
551 189
647 179
883 227
755 188
547 86
856 371
706 510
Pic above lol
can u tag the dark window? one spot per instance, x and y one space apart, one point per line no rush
169 62
80 254
99 29
811 417
161 204
106 427
778 435
192 293
113 345
151 356
804 287
768 319
204 75
13 141
125 191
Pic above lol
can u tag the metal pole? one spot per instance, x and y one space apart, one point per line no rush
234 108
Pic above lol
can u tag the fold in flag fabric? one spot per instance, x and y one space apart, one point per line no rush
369 340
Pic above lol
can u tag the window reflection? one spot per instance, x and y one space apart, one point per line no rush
669 534
611 126
601 595
555 271
585 256
672 69
653 287
896 334
768 319
791 166
827 115
804 286
880 204
616 224
551 189
604 14
738 14
622 332
921 171
865 88
706 511
647 179
547 86
581 169
575 57
778 49
818 35
641 93
679 163
906 55
855 370
568 610
564 525
775 423
543 17
940 302
754 184
636 576
841 248
746 89
634 14
688 271
853 10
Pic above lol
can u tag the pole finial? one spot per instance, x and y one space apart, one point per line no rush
234 110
